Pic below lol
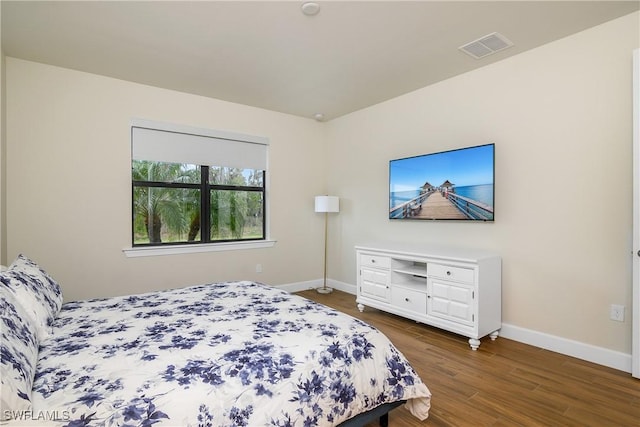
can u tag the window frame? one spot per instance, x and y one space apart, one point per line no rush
205 188
205 244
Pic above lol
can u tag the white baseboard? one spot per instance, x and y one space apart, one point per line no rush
601 356
300 286
312 284
591 353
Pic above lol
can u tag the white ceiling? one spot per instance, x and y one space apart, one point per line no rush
267 54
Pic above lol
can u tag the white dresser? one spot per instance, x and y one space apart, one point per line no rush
458 290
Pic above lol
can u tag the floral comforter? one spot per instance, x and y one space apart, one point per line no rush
225 354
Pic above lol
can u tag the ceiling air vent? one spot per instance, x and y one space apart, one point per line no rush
486 45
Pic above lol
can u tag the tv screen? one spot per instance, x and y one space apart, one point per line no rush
450 185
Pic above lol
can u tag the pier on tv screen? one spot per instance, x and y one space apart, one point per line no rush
449 185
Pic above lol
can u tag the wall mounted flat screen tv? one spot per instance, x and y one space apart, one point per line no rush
450 185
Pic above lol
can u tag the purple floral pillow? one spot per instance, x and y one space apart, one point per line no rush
35 290
19 348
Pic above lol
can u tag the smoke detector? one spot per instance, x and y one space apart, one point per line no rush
310 8
487 45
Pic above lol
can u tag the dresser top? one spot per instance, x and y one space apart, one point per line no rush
429 250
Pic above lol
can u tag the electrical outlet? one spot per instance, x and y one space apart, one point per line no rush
258 268
617 312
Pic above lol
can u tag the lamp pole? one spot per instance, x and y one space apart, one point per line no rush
324 289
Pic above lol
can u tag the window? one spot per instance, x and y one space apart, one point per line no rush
191 188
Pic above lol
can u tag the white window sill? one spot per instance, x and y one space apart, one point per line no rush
191 249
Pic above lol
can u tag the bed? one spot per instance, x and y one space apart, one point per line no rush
220 354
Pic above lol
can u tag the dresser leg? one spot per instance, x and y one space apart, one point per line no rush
361 307
493 335
474 343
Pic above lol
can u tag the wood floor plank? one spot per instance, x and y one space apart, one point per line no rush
504 383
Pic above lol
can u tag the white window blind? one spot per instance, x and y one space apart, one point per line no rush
176 146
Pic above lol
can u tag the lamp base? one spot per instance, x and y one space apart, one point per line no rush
324 290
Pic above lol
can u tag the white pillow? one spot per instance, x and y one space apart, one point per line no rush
35 290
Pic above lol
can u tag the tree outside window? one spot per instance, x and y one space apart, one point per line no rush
174 202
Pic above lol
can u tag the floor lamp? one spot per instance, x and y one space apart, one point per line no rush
326 204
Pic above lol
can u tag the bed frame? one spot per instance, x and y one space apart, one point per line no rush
381 412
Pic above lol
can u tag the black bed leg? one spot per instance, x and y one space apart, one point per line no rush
384 420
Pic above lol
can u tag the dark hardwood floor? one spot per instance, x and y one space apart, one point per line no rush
504 383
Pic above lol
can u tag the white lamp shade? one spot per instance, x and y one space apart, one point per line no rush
327 204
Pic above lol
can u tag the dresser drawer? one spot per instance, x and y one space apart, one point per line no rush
410 300
459 274
367 260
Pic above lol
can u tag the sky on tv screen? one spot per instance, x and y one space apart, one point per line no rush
464 167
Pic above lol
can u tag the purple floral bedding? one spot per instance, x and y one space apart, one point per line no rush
225 354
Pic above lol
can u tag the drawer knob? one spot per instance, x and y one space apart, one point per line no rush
448 273
406 299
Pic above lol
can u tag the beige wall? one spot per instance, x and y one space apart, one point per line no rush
3 128
560 117
69 188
